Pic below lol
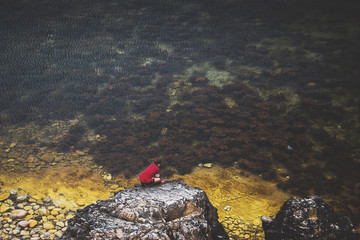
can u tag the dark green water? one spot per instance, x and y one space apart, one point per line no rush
264 85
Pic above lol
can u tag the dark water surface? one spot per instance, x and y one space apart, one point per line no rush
270 86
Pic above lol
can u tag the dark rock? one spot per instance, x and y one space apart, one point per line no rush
308 218
172 210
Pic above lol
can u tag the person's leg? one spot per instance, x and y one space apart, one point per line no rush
158 181
148 184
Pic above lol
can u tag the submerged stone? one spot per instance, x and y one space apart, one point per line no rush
114 186
17 213
32 223
48 225
47 157
208 165
4 208
4 196
23 223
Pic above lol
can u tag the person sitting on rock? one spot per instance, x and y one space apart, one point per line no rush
151 174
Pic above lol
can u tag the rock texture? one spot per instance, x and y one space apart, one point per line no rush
308 218
172 210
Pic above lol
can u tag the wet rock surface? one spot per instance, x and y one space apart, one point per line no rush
169 211
308 218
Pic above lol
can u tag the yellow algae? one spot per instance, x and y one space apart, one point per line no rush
64 185
4 195
249 197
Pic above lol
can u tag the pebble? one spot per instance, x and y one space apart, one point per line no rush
36 207
43 211
80 153
60 216
17 213
22 198
32 223
28 208
4 208
31 159
47 158
114 186
45 235
207 165
28 217
60 224
311 84
20 205
107 177
4 196
54 212
80 203
23 223
48 225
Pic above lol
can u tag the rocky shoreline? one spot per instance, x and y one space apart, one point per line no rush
23 217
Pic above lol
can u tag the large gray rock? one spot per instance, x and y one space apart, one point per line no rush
172 210
308 218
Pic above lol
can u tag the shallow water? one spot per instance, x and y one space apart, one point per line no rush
266 87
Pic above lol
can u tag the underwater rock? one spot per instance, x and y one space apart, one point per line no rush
17 213
308 218
4 196
172 210
207 165
23 223
47 157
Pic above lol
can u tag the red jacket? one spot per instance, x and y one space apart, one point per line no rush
149 173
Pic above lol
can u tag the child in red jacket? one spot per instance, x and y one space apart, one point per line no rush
151 174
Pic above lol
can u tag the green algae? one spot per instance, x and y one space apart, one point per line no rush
166 48
292 98
218 78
